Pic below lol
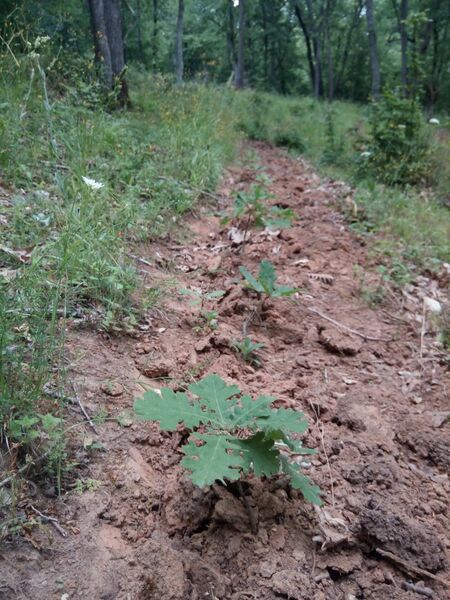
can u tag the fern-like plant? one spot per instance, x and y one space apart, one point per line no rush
238 435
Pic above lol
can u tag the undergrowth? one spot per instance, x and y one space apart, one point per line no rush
80 186
412 222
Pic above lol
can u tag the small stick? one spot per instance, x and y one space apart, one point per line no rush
52 520
76 400
413 587
346 328
141 260
423 328
249 509
409 567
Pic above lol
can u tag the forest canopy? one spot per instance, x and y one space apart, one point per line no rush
346 49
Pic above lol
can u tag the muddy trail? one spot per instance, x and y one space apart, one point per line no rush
375 395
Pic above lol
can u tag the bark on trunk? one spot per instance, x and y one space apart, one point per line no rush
179 63
404 9
306 35
106 22
373 49
155 33
240 69
231 46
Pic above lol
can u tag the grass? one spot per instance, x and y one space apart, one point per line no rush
65 245
411 224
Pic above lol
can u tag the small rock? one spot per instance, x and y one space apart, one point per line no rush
112 388
155 369
203 344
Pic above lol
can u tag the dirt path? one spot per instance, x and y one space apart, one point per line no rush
375 410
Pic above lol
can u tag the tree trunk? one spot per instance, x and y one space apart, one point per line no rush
240 69
306 35
102 50
330 61
348 42
373 49
179 64
404 9
106 22
155 33
231 47
316 22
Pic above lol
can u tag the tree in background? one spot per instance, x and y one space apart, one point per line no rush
106 22
179 62
373 49
240 67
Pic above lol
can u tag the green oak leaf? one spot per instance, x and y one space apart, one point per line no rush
214 394
213 460
259 455
170 408
285 419
310 492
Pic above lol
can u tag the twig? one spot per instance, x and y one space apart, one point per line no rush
413 587
346 328
250 512
141 260
408 567
24 468
320 429
76 400
423 328
52 520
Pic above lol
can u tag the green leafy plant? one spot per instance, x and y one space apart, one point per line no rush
398 148
238 435
265 284
248 350
208 318
251 206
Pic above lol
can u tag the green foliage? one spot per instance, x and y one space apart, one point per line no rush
221 452
208 317
398 149
248 350
266 281
251 206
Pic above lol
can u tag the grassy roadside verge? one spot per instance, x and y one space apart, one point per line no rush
409 225
79 186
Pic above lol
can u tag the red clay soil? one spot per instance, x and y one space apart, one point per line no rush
376 403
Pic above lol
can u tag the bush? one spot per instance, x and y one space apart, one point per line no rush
399 149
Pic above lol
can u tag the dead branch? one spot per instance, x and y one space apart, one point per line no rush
419 589
408 567
346 328
52 520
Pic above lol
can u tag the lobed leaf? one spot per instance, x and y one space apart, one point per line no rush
259 455
311 493
214 394
170 408
286 419
212 461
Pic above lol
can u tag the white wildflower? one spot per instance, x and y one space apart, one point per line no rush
401 126
95 185
434 121
366 154
41 40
